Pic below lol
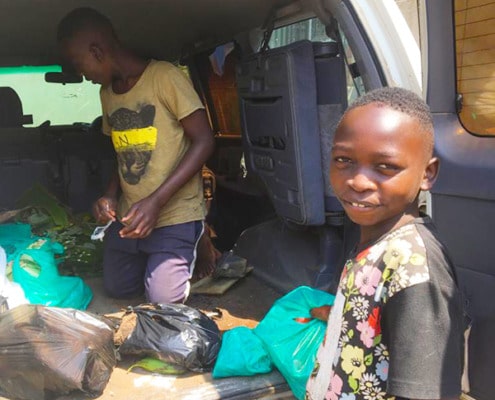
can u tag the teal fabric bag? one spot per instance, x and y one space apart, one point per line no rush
34 267
241 354
292 345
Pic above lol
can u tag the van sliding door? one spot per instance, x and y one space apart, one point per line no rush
461 71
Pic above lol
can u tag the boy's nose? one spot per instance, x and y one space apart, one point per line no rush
361 182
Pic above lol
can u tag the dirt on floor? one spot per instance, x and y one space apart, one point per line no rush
244 304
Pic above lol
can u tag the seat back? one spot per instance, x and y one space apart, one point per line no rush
291 99
331 94
11 114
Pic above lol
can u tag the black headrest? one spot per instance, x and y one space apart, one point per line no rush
11 109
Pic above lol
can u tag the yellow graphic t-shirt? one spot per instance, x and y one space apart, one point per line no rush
149 140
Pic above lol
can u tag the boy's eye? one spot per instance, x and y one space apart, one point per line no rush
388 167
342 160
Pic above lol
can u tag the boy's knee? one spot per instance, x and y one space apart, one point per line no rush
116 291
158 293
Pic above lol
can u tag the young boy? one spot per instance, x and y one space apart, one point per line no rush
395 329
162 138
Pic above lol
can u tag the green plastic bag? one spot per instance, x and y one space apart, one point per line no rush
34 267
241 354
292 345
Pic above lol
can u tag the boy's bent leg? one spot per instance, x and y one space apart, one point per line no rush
171 257
123 265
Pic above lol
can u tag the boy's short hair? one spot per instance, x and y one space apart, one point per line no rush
402 100
83 19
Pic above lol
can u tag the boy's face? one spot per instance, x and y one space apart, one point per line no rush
87 59
379 163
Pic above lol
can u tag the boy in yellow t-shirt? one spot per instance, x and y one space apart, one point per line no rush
162 138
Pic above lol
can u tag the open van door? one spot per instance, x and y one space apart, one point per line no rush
461 94
292 94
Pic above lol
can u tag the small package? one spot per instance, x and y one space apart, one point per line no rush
174 333
50 351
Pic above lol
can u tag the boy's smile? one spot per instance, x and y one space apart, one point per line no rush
379 163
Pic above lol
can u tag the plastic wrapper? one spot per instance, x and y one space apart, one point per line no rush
47 351
11 293
174 333
241 354
35 267
292 337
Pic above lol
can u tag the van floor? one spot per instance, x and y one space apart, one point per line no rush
244 304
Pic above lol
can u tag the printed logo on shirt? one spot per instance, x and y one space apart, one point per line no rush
134 139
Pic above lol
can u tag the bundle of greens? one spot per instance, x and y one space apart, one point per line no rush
49 217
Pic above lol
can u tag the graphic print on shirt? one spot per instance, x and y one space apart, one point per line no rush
134 139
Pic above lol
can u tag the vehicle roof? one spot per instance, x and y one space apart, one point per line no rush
157 28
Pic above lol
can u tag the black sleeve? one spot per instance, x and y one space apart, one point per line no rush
422 327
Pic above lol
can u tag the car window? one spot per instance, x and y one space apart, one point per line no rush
475 58
57 103
313 29
355 84
310 29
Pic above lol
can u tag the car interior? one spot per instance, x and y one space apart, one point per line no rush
272 106
275 77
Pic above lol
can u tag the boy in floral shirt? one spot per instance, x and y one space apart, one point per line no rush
395 330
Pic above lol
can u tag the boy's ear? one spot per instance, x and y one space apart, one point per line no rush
430 174
96 51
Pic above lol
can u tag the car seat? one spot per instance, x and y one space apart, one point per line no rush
291 99
11 114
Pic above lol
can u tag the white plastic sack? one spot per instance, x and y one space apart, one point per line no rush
11 291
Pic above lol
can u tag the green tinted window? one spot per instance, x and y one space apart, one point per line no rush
310 29
57 103
314 30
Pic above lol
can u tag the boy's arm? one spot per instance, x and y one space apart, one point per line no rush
105 208
321 312
423 330
141 218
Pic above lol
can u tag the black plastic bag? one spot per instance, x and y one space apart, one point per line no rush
174 333
49 351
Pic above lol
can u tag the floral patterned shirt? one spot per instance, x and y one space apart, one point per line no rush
356 340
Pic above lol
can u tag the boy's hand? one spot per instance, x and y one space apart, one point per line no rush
104 209
321 313
140 220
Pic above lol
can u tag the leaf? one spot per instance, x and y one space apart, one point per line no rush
350 280
157 366
368 359
28 264
9 214
36 219
73 230
417 259
377 339
386 274
38 196
353 383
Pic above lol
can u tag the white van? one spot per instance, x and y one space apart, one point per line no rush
275 77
